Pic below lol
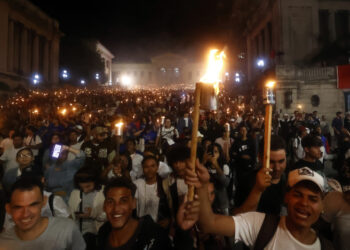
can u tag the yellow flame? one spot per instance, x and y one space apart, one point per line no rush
120 124
270 84
214 67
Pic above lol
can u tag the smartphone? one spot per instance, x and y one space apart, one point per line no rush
56 150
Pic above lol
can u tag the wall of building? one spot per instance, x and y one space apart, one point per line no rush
162 70
303 83
29 43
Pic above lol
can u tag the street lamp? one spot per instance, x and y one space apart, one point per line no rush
260 63
82 81
36 78
97 76
65 74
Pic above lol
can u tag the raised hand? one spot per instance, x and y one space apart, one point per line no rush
199 178
188 213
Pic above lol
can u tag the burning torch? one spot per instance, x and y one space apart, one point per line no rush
206 93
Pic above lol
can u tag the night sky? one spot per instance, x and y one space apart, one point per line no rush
134 30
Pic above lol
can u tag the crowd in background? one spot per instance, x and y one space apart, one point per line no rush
152 149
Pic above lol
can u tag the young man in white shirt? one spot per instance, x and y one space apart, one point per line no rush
8 158
304 205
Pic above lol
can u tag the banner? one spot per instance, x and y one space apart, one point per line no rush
343 76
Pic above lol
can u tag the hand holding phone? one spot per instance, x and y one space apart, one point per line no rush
56 151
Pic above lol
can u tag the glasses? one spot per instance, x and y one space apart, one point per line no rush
25 156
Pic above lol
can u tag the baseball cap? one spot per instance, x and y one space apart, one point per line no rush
305 174
78 127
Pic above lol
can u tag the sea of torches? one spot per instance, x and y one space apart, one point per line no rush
73 102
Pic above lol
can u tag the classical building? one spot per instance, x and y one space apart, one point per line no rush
283 36
162 70
29 44
107 58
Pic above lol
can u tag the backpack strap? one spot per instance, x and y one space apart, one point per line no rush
266 231
51 197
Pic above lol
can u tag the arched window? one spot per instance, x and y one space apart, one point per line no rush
315 101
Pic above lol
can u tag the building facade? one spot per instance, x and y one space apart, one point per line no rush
162 70
107 58
29 44
286 35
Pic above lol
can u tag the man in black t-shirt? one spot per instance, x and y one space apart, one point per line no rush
98 151
312 146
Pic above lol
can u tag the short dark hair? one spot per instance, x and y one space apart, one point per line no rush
130 140
17 134
277 143
311 141
338 113
27 183
87 174
120 182
149 157
178 153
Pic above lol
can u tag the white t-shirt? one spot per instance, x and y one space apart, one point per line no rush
164 170
299 149
169 134
147 199
29 140
6 143
136 171
337 212
247 227
71 156
9 158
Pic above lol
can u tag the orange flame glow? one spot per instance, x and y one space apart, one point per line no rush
214 67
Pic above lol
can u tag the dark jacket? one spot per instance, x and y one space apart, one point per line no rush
148 235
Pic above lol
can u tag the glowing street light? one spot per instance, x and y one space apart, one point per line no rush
126 80
97 76
65 74
36 79
82 81
261 63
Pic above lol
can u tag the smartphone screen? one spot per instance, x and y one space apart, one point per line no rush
56 150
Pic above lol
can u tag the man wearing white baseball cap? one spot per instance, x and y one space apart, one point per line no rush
261 231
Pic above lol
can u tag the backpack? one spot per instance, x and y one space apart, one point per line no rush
268 229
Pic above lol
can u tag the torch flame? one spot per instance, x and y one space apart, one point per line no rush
119 124
270 84
214 67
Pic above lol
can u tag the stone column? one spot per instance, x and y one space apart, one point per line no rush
4 35
46 59
10 46
54 60
249 57
35 54
332 33
24 51
261 49
267 42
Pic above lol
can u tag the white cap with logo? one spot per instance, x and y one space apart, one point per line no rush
305 174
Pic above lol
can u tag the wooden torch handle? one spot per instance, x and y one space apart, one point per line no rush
267 139
195 117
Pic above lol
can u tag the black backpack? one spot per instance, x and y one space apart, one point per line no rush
268 229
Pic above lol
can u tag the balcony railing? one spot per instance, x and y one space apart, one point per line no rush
284 72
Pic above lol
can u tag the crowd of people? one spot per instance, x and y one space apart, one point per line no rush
109 169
